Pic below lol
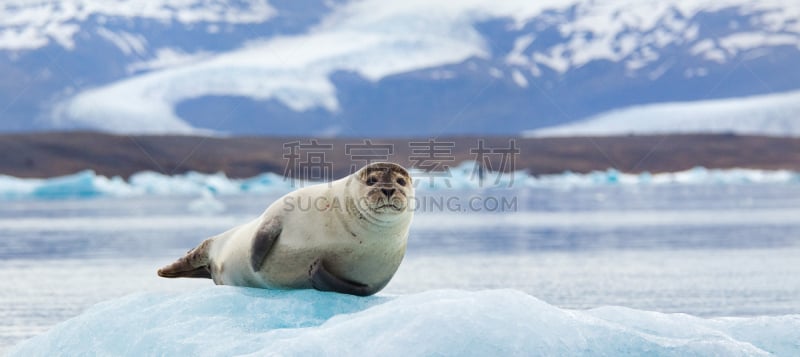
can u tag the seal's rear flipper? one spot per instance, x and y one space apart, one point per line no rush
192 265
172 272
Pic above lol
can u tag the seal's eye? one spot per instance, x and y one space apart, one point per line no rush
401 181
371 181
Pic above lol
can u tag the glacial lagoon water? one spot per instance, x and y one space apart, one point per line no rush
726 249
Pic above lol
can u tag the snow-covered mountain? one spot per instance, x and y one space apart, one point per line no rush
381 68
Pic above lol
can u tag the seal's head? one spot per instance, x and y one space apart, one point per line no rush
385 188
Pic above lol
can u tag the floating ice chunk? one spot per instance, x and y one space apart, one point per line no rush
269 182
461 177
193 183
12 187
232 321
82 184
216 183
465 176
695 176
207 204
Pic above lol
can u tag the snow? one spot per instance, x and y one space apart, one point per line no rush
377 39
748 40
22 38
709 51
237 321
519 79
128 43
554 60
516 56
27 25
771 114
165 58
87 184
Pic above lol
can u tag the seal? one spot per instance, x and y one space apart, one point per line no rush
348 236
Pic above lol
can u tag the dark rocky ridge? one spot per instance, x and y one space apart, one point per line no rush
54 154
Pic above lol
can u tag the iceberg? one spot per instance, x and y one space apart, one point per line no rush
207 204
225 320
87 184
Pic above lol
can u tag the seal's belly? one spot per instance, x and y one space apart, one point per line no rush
289 268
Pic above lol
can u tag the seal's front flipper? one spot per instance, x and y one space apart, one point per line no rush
266 236
324 280
192 265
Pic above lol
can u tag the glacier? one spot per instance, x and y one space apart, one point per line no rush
770 114
244 321
88 184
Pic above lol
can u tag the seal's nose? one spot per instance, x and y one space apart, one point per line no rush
388 192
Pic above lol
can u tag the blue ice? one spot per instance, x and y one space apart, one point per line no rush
228 321
89 184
